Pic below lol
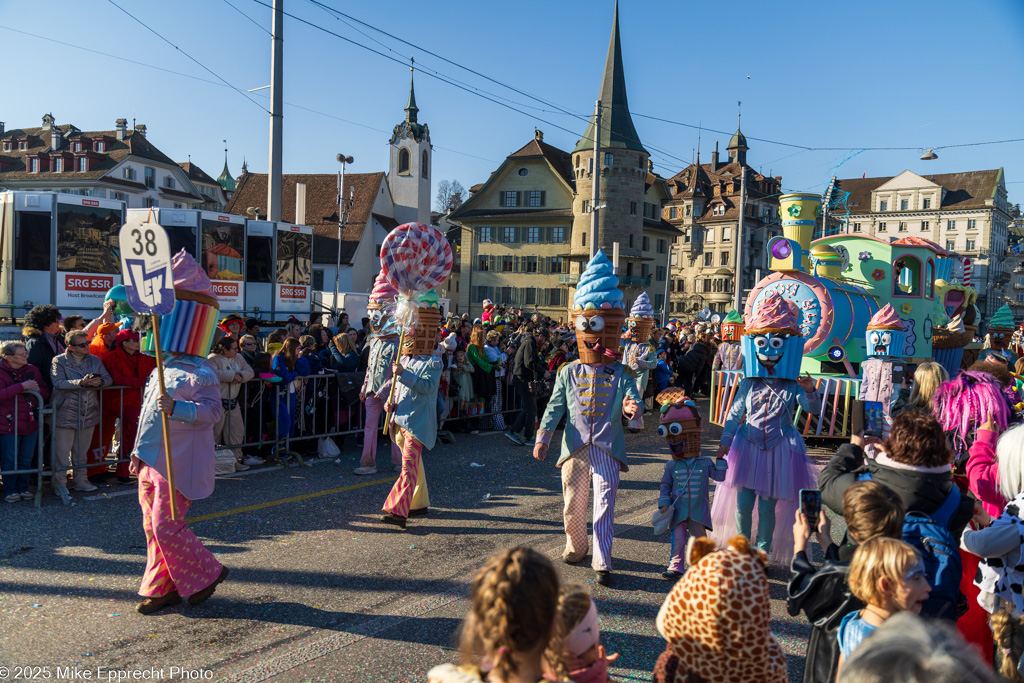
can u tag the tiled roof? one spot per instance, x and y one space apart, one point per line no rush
967 190
700 180
134 144
561 161
321 207
196 174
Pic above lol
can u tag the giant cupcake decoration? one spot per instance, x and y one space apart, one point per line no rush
190 327
885 335
772 345
732 326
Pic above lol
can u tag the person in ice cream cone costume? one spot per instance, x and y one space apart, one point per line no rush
885 337
1000 332
685 483
177 563
730 352
594 393
641 354
768 461
383 350
416 373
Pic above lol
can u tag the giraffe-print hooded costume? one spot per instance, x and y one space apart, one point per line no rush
717 619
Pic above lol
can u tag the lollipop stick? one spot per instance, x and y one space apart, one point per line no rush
394 380
163 418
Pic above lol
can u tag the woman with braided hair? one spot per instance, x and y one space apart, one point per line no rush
512 621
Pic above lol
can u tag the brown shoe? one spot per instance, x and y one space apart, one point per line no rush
203 595
150 605
396 520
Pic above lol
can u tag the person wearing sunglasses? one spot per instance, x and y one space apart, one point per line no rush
76 374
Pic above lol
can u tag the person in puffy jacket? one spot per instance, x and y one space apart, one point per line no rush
130 369
19 420
233 372
75 374
43 338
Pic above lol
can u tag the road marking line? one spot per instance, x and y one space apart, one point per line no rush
293 499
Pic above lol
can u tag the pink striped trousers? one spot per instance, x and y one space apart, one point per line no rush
175 558
410 491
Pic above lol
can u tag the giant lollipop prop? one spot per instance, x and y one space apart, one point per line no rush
414 258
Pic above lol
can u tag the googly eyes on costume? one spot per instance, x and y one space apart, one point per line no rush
761 342
886 338
581 324
875 338
632 323
776 342
675 429
662 431
375 317
596 323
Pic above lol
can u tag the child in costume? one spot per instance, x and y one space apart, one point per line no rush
1000 330
488 315
594 393
730 352
767 456
581 647
177 563
685 485
641 354
383 347
413 409
885 338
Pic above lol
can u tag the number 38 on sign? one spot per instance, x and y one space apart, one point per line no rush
146 266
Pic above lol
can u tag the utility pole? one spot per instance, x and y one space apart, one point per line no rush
737 297
597 181
276 113
342 218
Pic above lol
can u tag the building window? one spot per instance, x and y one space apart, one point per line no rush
724 259
510 198
7 145
904 204
659 301
508 235
719 210
608 157
646 243
590 165
659 273
150 177
926 203
586 206
970 245
680 285
403 161
856 227
555 297
83 164
632 208
169 182
686 237
950 224
950 245
119 196
533 235
672 212
662 246
709 236
882 227
531 264
22 145
152 203
483 263
523 172
425 166
726 233
583 239
708 259
556 265
535 197
883 205
925 224
101 146
33 165
506 295
129 173
687 210
58 165
486 234
531 296
971 224
507 264
903 226
558 235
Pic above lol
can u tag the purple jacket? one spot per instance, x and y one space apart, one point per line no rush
193 384
11 393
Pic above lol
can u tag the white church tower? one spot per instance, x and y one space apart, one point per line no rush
409 170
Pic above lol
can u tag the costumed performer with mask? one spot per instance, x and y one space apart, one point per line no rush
641 354
730 352
594 393
383 350
177 563
885 337
766 454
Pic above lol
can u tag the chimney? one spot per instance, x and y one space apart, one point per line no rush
714 157
121 125
1 127
47 121
141 129
56 138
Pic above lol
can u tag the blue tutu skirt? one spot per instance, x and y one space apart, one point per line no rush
779 473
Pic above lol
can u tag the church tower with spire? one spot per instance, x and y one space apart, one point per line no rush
737 148
623 165
409 169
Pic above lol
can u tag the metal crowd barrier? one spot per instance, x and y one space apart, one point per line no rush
274 418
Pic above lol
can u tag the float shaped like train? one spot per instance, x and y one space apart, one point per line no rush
838 283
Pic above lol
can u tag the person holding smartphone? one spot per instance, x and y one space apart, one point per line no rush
75 375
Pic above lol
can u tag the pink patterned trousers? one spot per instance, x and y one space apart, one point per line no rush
410 491
175 558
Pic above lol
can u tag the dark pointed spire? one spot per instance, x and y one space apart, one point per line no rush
617 130
226 180
411 109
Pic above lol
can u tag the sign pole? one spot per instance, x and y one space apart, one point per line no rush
394 380
163 417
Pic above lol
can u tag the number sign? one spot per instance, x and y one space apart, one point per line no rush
146 266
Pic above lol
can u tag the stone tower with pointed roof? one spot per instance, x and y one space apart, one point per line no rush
623 166
410 165
737 148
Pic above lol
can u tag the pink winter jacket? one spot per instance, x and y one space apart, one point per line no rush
983 472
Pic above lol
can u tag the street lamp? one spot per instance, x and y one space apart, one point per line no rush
343 160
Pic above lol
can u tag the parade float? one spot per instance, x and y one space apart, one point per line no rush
839 282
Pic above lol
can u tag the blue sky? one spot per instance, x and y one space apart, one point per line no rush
871 74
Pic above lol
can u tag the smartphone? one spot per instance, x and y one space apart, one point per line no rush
873 418
810 506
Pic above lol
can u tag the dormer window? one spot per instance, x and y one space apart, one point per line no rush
101 146
169 183
58 165
23 145
7 145
33 165
78 146
83 164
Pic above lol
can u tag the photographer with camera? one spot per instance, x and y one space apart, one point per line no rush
527 372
